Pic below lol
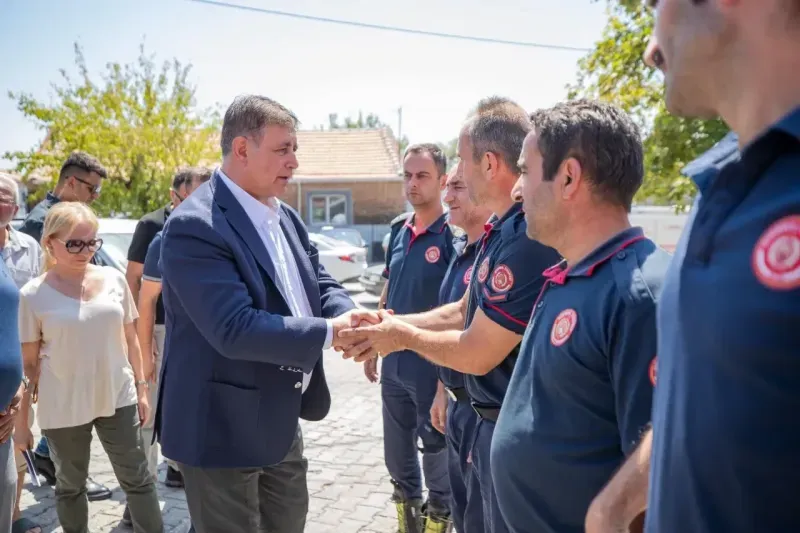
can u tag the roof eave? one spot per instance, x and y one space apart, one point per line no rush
346 179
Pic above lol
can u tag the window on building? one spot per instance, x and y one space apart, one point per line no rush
328 208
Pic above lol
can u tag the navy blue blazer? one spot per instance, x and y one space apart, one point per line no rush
230 394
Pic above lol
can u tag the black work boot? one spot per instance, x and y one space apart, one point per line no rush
409 512
436 517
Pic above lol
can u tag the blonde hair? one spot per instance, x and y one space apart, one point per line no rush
62 219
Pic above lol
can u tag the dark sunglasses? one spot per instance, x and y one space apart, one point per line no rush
76 246
94 189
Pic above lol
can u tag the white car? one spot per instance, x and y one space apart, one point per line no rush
117 234
343 261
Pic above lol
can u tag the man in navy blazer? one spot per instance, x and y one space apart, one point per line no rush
249 310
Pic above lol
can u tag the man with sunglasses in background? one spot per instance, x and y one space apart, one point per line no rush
79 180
146 230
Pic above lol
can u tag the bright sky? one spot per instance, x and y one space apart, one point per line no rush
314 68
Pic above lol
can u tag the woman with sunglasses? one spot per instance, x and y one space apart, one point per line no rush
82 358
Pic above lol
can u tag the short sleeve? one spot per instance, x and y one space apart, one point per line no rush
392 237
151 271
142 236
129 311
516 278
633 369
30 328
448 248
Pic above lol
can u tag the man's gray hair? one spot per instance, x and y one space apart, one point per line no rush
498 125
7 181
248 115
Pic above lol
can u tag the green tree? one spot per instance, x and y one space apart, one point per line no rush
139 120
614 72
450 149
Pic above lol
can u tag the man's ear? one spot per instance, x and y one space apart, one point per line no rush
570 178
490 165
239 148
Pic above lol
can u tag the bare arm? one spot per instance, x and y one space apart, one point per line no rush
134 351
478 350
384 294
30 361
133 275
447 317
148 298
624 498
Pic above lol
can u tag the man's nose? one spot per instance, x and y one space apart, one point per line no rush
652 54
293 164
516 192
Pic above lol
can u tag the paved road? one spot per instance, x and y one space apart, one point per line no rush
347 479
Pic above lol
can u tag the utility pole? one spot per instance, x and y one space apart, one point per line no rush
399 132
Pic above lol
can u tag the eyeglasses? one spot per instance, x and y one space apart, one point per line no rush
76 246
94 189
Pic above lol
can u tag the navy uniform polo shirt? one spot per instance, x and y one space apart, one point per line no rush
415 267
726 429
454 285
506 281
582 389
151 271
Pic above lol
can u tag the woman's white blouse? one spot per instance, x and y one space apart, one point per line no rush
85 373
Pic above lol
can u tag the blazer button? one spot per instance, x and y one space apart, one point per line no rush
298 384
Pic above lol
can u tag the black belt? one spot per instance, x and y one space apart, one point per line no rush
458 394
487 412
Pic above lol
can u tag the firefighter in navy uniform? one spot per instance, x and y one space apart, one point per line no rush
722 454
581 393
419 252
480 335
452 413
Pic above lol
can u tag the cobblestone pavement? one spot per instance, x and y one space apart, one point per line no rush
347 478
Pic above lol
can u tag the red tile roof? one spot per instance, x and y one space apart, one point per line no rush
347 153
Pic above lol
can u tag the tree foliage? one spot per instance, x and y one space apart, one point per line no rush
614 72
138 119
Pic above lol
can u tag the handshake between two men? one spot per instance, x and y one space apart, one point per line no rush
363 335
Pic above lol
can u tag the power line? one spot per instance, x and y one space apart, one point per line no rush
394 28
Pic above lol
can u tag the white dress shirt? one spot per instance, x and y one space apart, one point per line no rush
267 221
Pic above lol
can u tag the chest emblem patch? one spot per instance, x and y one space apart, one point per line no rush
776 257
432 254
483 271
563 326
502 279
468 275
653 370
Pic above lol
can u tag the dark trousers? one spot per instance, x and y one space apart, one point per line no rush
270 499
122 440
466 503
406 417
481 448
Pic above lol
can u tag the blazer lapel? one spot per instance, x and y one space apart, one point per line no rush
303 262
240 222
